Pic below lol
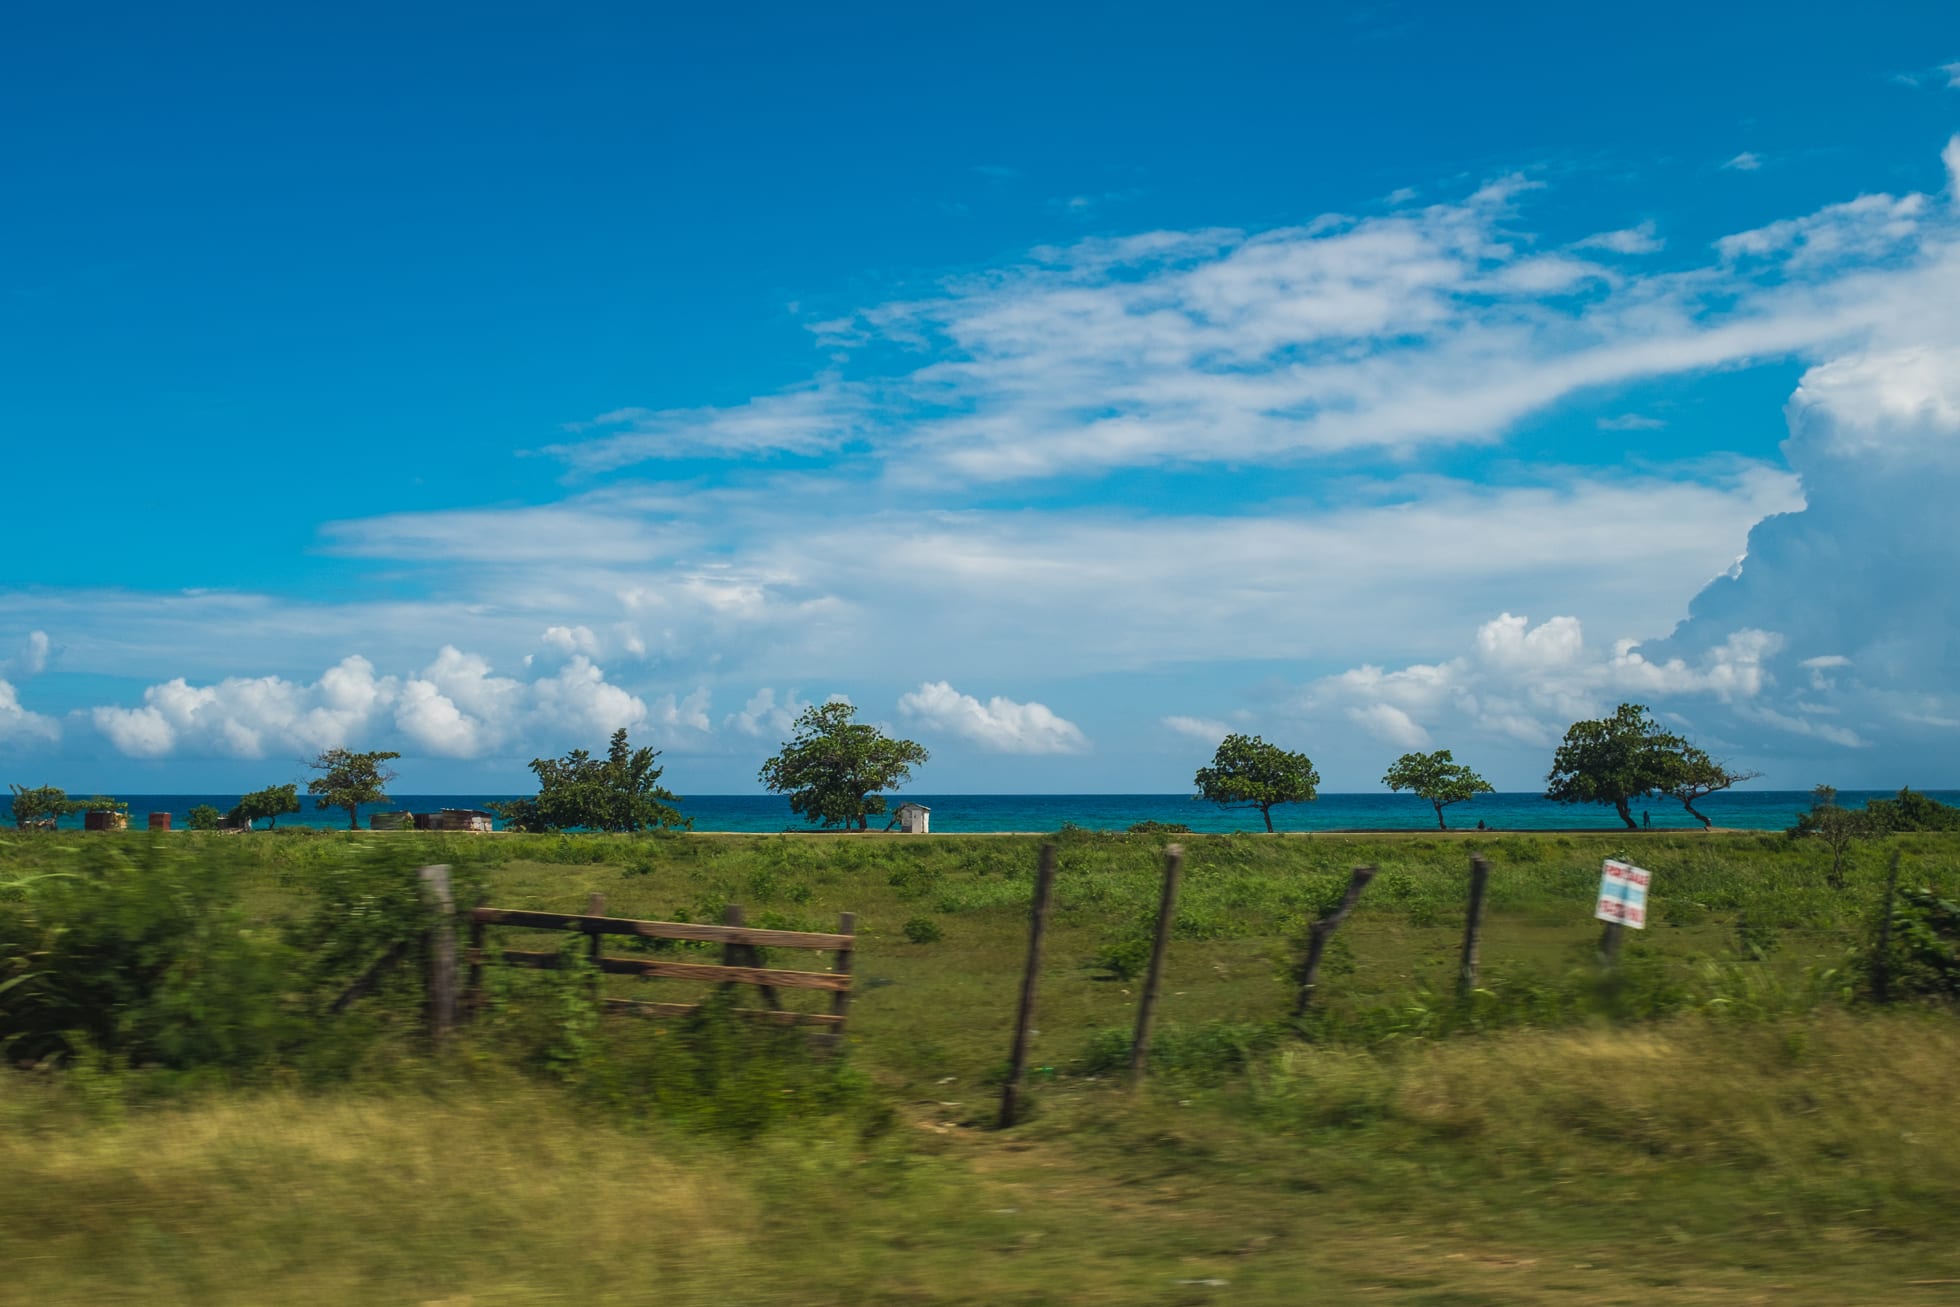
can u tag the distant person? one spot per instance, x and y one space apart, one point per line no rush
1646 820
1480 823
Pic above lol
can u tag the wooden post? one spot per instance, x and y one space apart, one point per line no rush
595 906
473 997
1610 940
1882 955
1044 885
1166 914
442 952
1473 925
745 955
840 999
1319 933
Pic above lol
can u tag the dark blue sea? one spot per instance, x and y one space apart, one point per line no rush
957 813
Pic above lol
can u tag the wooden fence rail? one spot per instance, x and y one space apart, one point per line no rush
741 963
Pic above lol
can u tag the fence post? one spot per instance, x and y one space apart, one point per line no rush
442 952
1473 925
1044 884
840 999
1166 915
595 906
1610 940
1319 933
473 994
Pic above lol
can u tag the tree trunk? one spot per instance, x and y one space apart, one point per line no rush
1626 814
1440 823
1695 813
353 816
1267 813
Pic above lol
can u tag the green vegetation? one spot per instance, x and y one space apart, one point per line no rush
205 817
41 807
349 779
271 803
834 767
1437 778
230 1138
619 792
1247 772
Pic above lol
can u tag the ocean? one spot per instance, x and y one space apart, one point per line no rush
971 813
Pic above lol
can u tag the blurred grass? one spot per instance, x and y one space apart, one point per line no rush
1725 1126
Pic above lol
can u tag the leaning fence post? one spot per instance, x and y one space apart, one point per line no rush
442 952
1044 884
1319 933
1166 915
1473 925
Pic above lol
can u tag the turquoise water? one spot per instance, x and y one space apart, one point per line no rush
955 813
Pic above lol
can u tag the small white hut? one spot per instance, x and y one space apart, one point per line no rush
914 818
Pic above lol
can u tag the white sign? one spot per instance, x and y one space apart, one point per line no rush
1623 894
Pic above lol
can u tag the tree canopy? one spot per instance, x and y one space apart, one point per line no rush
43 805
1613 760
1247 772
271 803
619 792
1620 758
834 767
350 779
1437 778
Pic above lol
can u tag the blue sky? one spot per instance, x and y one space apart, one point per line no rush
1064 388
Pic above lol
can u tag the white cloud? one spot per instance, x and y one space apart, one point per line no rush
1630 422
571 639
453 708
766 717
1000 724
31 659
1204 730
18 725
1952 72
1627 240
1747 161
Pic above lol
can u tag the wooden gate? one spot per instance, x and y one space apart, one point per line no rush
741 961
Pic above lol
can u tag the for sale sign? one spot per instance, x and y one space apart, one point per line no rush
1623 894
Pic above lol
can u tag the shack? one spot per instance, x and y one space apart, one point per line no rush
465 819
912 818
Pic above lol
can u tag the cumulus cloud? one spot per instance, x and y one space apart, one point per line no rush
454 708
1627 240
18 725
1529 682
1205 730
571 639
1000 725
31 659
765 716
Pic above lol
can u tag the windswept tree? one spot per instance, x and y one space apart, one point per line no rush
41 806
1695 775
271 803
1437 778
834 768
1247 772
1614 760
1839 828
619 792
349 779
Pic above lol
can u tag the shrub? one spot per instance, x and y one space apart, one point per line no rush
206 817
923 930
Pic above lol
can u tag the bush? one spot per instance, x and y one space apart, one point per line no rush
1159 828
923 930
206 817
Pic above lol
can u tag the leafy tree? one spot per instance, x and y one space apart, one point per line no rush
351 779
1912 811
1695 775
1838 827
271 803
834 767
1614 760
41 806
1247 772
1435 777
206 817
619 792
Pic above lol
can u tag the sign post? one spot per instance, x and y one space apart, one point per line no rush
1622 903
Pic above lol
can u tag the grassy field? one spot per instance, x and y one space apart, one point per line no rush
1723 1121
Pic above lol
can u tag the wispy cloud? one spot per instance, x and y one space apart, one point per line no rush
1747 161
1630 422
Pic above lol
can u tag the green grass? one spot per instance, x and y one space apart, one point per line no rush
1722 1122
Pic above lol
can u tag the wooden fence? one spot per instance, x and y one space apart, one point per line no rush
741 961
